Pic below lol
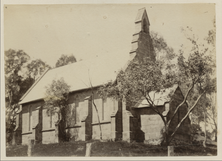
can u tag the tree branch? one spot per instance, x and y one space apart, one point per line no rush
182 120
95 107
153 107
184 100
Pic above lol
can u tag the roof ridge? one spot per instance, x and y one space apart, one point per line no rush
33 85
78 62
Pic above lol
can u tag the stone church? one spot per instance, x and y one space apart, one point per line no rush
118 122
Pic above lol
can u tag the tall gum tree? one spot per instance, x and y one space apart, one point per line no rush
140 79
14 61
65 60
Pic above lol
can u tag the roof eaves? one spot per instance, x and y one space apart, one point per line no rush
70 92
40 99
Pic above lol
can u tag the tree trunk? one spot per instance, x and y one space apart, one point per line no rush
98 118
96 109
215 136
183 119
205 132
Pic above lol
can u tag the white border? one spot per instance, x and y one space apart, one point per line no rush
219 87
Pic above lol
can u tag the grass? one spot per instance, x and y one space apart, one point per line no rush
114 149
17 150
108 149
61 149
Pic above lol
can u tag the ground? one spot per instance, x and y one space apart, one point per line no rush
108 149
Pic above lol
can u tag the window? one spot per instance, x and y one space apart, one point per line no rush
107 108
98 103
48 119
75 113
104 107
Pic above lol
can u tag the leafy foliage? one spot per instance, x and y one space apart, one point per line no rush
138 81
14 61
57 94
56 102
211 38
65 60
144 77
36 68
14 87
198 73
162 50
17 82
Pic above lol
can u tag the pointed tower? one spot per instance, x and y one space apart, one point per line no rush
142 44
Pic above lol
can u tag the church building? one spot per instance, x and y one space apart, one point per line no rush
118 122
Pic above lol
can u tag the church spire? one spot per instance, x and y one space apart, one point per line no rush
142 44
142 22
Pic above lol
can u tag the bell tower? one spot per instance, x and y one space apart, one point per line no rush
142 44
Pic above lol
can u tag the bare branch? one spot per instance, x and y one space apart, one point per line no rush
95 106
152 106
182 120
184 100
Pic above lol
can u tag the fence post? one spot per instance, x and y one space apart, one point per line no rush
30 147
88 149
170 151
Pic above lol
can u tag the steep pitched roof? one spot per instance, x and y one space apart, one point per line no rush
97 71
142 14
78 75
159 98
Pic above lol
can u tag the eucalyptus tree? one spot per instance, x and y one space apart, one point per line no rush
140 79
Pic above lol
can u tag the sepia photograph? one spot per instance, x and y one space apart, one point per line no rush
109 80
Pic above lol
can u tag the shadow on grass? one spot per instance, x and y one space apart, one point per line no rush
107 149
17 150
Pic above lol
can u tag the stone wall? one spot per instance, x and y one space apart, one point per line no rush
106 131
74 133
145 47
31 121
48 136
118 121
184 130
149 125
152 126
87 126
81 119
79 116
25 138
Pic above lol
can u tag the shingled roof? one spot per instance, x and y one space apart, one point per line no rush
78 75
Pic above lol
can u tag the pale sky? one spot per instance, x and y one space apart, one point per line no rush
87 31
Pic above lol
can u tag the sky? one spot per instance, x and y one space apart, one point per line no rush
88 31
